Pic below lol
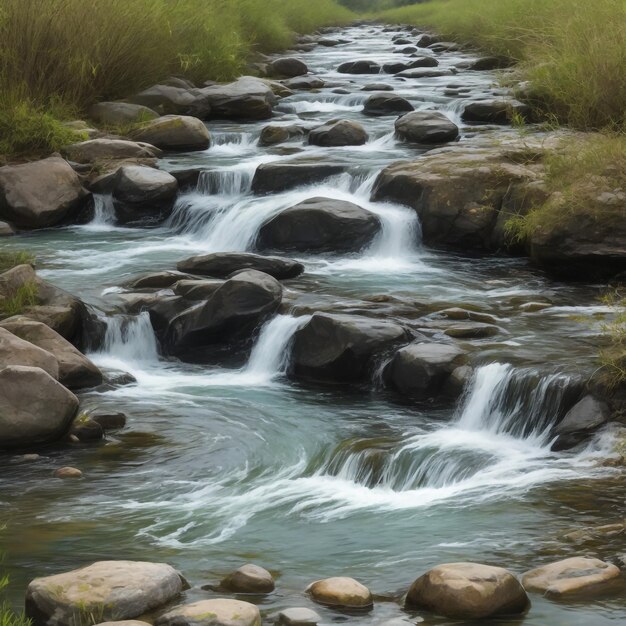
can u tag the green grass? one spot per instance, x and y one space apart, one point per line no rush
573 52
12 258
613 356
8 617
16 303
64 55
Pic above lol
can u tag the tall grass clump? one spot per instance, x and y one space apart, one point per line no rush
8 617
67 54
573 52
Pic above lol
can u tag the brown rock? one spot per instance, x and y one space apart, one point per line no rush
249 579
68 472
341 592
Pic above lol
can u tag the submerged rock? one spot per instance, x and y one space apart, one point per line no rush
338 133
320 224
248 579
468 591
341 592
423 369
298 617
175 133
570 576
40 194
218 612
223 264
426 127
274 134
359 67
68 472
114 590
342 348
383 104
34 407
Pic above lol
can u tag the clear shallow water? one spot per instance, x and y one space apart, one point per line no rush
220 466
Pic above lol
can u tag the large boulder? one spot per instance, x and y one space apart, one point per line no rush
426 127
320 224
359 67
34 407
494 111
288 67
463 197
341 592
112 590
580 421
570 576
232 313
120 113
338 133
223 264
342 348
248 578
175 133
40 194
217 612
282 175
468 591
386 104
17 351
143 193
422 369
75 370
247 98
166 99
96 150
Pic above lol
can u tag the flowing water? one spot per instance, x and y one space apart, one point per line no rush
224 465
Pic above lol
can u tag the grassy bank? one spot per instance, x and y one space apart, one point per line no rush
60 56
573 52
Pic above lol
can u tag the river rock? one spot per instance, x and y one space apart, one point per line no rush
217 612
40 194
359 67
405 50
468 591
422 369
493 111
120 113
274 134
384 104
305 83
395 67
6 230
580 421
444 46
570 576
223 264
342 348
288 67
377 87
421 72
422 61
67 472
166 99
298 616
34 407
96 150
233 312
426 127
127 622
109 420
197 289
157 280
282 175
338 133
341 592
86 430
247 98
248 579
459 194
75 370
143 193
320 224
175 133
17 351
113 590
489 63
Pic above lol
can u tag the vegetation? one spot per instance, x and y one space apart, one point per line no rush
12 258
613 356
60 56
8 617
573 52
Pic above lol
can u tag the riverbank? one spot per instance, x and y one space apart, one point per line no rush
296 353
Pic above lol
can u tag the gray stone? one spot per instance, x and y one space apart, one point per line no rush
40 194
288 67
17 351
174 133
247 98
383 104
494 111
197 289
426 127
298 617
274 134
223 264
338 133
96 150
167 99
249 579
304 83
359 67
218 612
282 175
120 113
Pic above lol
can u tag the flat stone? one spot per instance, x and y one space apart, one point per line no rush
298 617
223 264
109 149
426 127
175 133
341 592
218 612
570 576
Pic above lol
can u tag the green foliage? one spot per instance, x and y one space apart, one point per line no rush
8 617
23 297
573 52
61 56
12 258
613 356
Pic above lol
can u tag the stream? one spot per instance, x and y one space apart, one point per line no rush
226 464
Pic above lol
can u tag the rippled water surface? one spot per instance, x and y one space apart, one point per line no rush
224 465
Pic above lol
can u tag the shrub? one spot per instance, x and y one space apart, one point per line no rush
572 51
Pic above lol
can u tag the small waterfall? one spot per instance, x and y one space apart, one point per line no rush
226 182
130 339
270 356
103 213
